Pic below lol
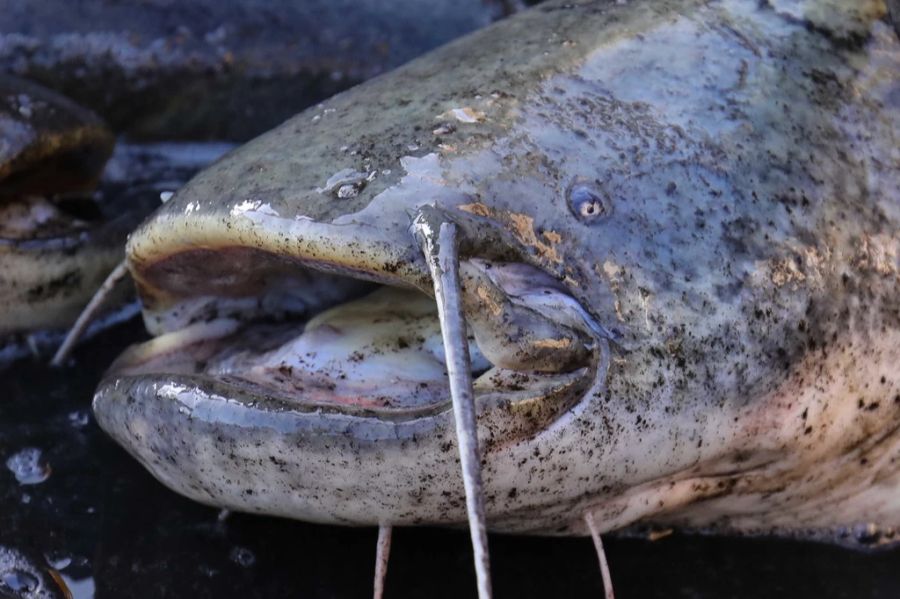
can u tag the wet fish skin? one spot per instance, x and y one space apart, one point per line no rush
66 209
49 147
35 125
744 255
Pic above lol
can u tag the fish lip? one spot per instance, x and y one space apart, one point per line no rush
107 230
562 390
358 251
206 401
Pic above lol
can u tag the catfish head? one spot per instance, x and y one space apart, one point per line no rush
678 265
56 241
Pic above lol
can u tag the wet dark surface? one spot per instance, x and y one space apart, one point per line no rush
111 529
219 69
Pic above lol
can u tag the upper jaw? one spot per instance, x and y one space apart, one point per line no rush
170 253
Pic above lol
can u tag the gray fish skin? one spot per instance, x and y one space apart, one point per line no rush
741 250
50 261
37 124
66 210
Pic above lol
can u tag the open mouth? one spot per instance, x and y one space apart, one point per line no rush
363 343
36 218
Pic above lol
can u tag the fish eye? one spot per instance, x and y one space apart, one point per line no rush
587 202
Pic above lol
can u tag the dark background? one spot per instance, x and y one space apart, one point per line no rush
104 514
220 69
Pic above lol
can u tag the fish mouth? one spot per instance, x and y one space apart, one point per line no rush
345 323
34 220
297 367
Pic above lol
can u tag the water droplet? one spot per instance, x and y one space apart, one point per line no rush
348 191
243 557
58 560
19 581
444 129
346 183
587 202
79 418
28 467
207 571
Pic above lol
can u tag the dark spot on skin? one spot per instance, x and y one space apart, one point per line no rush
61 284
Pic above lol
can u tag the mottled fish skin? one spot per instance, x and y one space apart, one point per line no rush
894 9
50 261
744 158
36 125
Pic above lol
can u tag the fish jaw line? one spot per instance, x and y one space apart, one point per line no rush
157 411
202 441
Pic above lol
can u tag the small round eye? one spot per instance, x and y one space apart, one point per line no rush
587 202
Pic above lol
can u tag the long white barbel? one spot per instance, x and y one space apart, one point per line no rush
382 555
601 555
441 251
90 313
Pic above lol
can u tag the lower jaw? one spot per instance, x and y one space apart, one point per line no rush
234 447
45 288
